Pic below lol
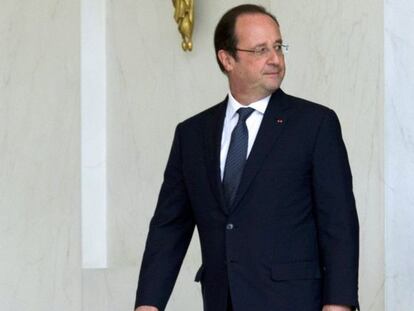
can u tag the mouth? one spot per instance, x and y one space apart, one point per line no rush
272 73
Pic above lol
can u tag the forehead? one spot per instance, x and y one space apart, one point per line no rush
256 29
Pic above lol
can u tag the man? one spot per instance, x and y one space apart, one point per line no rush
265 178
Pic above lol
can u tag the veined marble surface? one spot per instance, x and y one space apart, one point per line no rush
399 157
93 131
39 156
336 58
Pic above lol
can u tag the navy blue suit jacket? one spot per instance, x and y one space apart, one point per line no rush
289 242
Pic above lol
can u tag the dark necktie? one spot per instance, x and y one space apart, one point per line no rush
236 156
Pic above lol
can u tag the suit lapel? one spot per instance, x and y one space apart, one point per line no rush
274 120
212 134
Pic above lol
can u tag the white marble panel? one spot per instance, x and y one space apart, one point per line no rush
399 137
93 111
39 156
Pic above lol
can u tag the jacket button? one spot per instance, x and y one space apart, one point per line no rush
229 226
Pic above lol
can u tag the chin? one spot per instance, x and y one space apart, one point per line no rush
273 87
273 84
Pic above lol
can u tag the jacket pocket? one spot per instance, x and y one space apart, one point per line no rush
199 274
300 270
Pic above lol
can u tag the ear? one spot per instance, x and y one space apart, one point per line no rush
226 60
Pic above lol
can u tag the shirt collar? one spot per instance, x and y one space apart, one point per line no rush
233 105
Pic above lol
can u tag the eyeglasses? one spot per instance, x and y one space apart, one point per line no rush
264 51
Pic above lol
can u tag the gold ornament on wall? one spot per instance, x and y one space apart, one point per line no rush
184 16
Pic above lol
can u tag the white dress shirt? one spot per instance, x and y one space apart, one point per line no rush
230 121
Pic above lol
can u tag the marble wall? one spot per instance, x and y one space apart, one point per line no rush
39 156
399 164
336 58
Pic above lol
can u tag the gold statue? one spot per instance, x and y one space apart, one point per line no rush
184 16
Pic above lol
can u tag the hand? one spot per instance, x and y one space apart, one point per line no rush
146 308
335 308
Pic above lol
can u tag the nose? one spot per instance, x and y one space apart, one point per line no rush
275 57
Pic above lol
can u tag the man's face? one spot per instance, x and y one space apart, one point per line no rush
251 75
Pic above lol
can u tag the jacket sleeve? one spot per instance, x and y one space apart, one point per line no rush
337 220
170 232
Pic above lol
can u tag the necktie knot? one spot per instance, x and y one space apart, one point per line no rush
244 113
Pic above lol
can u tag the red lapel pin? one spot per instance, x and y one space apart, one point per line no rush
279 121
